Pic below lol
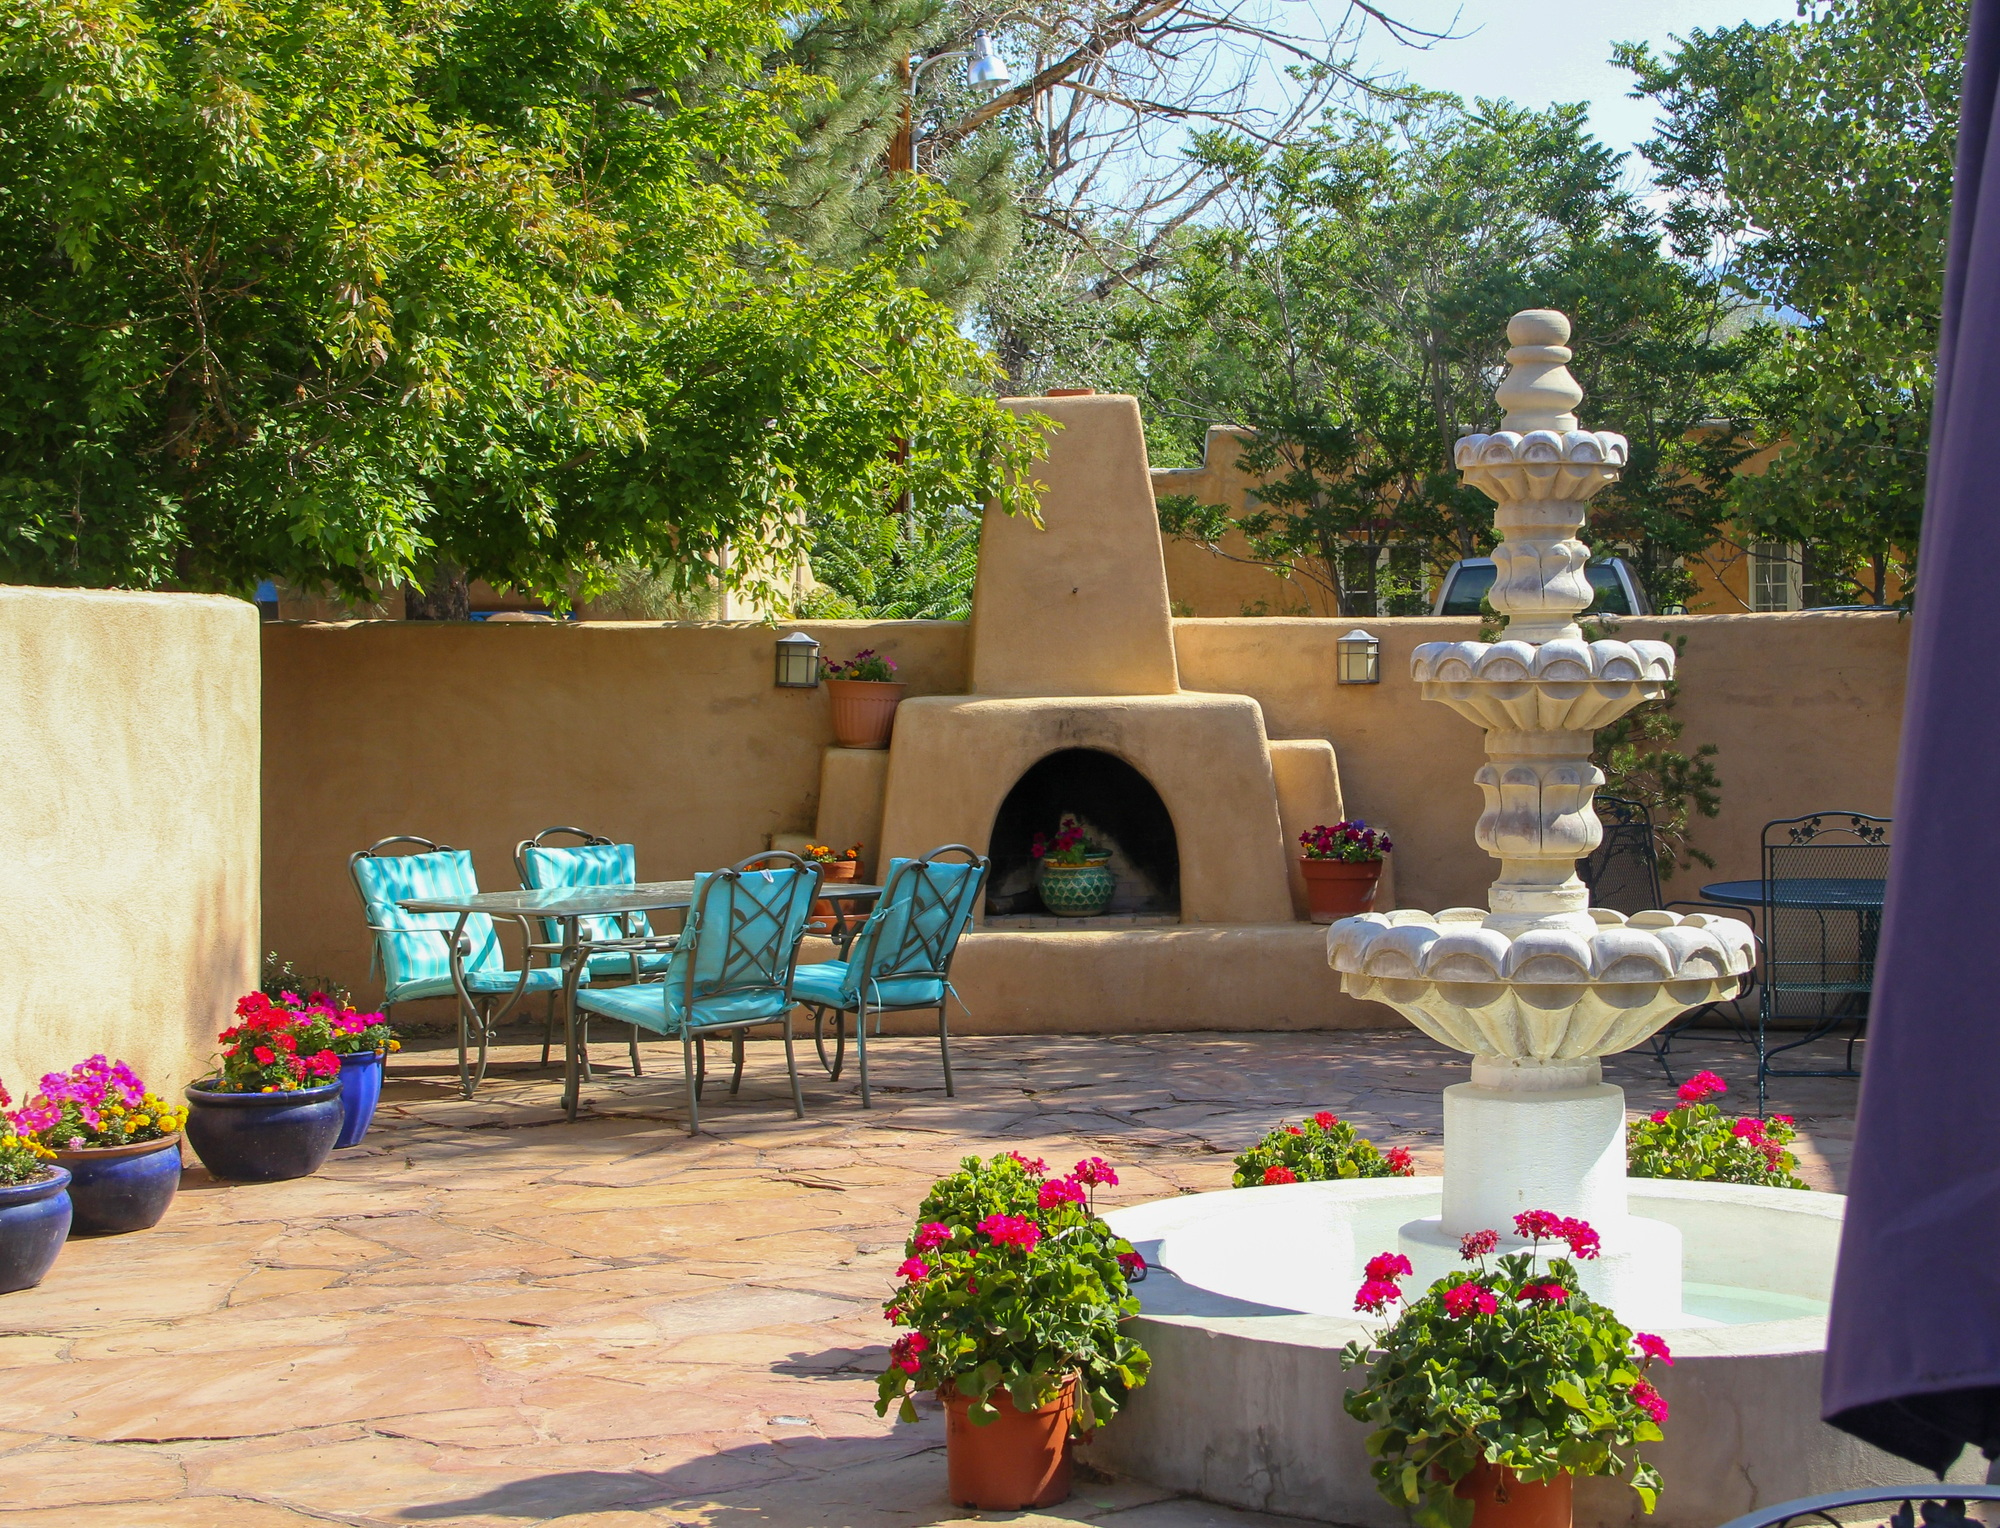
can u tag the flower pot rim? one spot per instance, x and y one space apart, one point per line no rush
361 1055
54 1181
872 684
129 1149
1316 860
195 1093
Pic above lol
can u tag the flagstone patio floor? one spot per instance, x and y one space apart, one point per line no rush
487 1315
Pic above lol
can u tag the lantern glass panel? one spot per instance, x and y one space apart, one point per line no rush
798 662
1360 658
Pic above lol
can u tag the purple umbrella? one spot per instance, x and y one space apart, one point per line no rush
1913 1348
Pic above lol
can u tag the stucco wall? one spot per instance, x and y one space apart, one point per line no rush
129 735
673 737
1804 709
670 737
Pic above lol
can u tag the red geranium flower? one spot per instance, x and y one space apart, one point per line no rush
1277 1173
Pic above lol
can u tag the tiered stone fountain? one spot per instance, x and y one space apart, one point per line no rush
1251 1297
1538 984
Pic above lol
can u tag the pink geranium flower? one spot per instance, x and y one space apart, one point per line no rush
1133 1264
904 1350
1034 1166
1376 1296
1058 1192
1387 1265
1539 1225
1096 1172
1584 1242
1650 1401
1652 1347
1012 1231
1464 1300
913 1268
1550 1293
1701 1085
929 1236
1476 1244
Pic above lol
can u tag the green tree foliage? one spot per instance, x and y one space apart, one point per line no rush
1351 308
340 290
1814 158
914 568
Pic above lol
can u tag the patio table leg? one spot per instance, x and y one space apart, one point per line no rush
572 964
791 1066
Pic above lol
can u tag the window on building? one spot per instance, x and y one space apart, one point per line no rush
1776 576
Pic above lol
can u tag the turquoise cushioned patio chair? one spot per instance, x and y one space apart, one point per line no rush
596 861
732 968
901 959
413 950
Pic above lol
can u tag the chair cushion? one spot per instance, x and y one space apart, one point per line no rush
829 984
586 865
415 953
494 983
657 1006
612 964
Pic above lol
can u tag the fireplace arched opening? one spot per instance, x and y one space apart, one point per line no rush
1119 809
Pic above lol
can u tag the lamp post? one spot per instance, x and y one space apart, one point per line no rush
986 73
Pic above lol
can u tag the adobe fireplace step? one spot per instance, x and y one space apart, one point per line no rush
1188 976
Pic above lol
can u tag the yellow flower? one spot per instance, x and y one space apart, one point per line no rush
395 1045
140 1121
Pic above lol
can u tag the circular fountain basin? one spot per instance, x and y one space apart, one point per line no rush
1251 1299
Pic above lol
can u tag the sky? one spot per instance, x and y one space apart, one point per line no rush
1538 52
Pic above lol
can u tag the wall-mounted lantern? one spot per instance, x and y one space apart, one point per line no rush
798 662
1360 658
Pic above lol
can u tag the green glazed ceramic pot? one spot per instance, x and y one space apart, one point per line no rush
1076 891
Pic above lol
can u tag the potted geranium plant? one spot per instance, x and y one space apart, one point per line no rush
1320 1149
272 1110
1693 1140
1497 1387
1342 864
34 1206
865 693
1014 1292
119 1142
1073 874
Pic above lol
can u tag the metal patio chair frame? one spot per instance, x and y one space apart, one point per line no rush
1629 837
929 953
552 935
1950 1499
1850 830
469 1003
742 948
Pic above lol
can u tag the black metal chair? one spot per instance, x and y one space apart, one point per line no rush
1623 874
1823 881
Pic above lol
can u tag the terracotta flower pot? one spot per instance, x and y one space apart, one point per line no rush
1014 1462
1501 1501
1337 889
824 918
864 711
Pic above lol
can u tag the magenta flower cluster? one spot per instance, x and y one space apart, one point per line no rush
1350 839
89 1085
1011 1231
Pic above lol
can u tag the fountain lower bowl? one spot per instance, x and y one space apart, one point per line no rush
1251 1301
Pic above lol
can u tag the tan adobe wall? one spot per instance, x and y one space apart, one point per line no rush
674 738
129 892
669 737
1805 710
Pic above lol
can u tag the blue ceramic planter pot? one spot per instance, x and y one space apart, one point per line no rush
360 1092
263 1137
34 1219
121 1188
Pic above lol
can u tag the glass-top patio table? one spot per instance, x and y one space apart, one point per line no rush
567 907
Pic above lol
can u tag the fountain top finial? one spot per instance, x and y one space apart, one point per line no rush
1538 392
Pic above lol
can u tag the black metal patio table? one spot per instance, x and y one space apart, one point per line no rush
1831 893
567 906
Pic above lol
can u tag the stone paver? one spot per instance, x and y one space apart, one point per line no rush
486 1315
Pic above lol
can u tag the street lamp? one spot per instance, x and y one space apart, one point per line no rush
987 73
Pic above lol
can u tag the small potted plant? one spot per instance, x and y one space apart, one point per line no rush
272 1110
34 1206
865 693
1015 1293
1693 1140
834 865
119 1142
1494 1389
1073 874
1342 864
1321 1149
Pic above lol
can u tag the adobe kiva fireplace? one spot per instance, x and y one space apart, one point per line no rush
1076 705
